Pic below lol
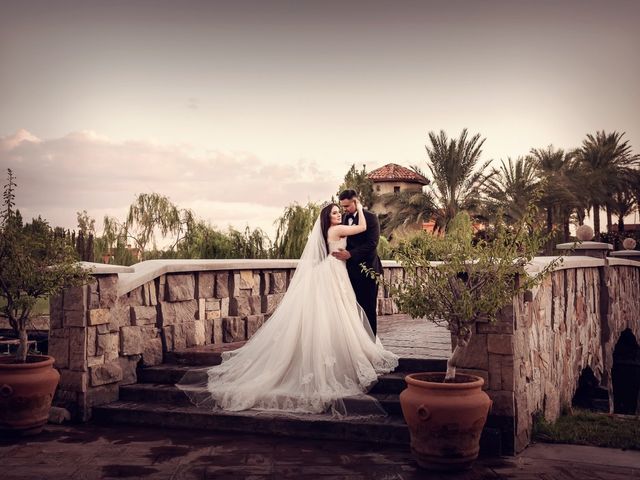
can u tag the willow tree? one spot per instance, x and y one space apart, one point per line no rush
293 229
150 212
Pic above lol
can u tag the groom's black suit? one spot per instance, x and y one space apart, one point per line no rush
362 248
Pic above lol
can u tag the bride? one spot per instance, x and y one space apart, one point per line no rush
316 349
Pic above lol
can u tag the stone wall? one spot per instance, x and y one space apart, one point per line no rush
100 333
573 321
530 358
620 305
556 336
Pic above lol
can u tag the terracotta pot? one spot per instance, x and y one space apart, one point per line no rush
26 392
445 419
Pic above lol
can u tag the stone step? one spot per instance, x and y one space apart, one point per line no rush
165 373
382 430
151 393
417 364
389 383
207 355
389 430
171 374
212 355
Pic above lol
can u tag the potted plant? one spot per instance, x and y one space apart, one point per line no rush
34 264
454 281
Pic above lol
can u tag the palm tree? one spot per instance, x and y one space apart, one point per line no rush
606 160
622 204
560 196
409 208
512 189
457 180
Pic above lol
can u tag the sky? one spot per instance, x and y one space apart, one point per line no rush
236 109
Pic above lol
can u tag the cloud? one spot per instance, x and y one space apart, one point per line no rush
12 141
85 170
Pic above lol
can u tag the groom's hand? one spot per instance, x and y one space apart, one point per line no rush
342 254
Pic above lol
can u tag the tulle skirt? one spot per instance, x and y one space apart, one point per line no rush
315 350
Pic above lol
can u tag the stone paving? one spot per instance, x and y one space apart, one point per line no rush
91 451
414 337
96 452
405 336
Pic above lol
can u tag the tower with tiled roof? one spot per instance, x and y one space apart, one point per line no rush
393 178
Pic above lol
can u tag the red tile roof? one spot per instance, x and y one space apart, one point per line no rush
395 173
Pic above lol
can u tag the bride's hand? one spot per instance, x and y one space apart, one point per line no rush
358 204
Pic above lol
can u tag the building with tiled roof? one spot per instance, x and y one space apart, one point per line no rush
394 173
393 178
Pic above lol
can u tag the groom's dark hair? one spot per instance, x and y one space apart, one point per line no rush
348 195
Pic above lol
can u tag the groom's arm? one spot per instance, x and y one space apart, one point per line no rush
364 251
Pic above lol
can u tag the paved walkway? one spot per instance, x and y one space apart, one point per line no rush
414 338
405 336
96 452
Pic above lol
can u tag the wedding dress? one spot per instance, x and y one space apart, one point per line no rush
316 349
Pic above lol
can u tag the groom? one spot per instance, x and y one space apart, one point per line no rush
361 248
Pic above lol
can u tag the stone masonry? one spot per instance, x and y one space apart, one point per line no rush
530 358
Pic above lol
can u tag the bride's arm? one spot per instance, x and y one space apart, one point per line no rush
347 230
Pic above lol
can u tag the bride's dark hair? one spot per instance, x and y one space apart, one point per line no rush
325 222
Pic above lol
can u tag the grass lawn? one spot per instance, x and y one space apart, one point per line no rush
41 307
587 428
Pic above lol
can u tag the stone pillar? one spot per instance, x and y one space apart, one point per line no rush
584 246
629 252
588 249
98 337
490 355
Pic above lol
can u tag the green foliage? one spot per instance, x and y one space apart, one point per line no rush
35 263
85 241
409 208
152 211
86 223
587 428
204 241
606 161
294 227
384 250
453 281
616 238
511 189
357 180
562 187
457 175
249 244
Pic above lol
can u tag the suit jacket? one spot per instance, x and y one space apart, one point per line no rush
363 246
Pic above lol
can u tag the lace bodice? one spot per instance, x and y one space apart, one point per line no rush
337 244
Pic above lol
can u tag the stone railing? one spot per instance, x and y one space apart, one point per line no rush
530 358
100 332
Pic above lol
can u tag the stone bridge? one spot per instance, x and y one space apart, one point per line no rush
531 358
